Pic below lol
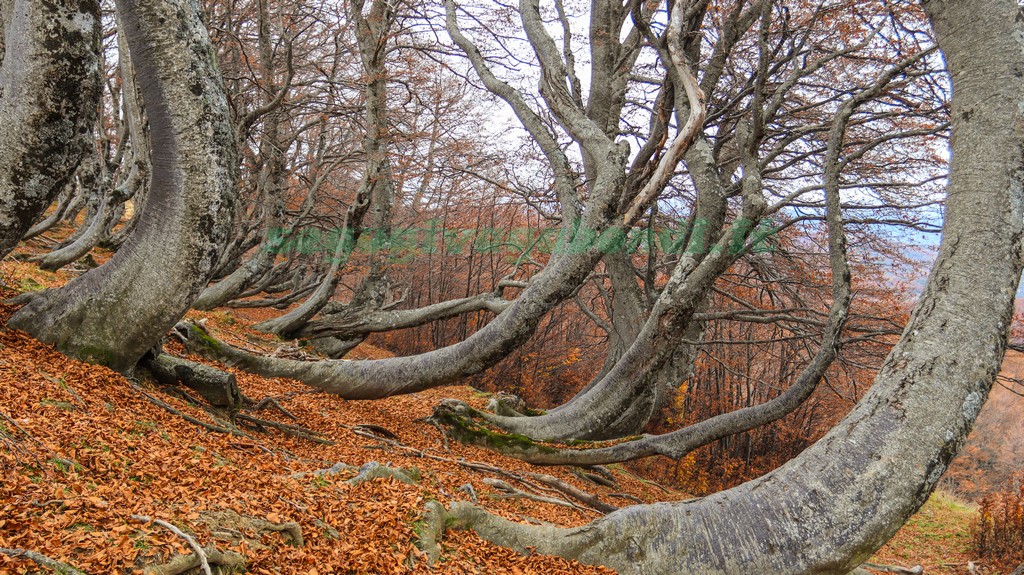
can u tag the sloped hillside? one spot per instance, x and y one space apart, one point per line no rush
83 450
86 454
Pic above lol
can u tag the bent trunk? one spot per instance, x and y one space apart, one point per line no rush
117 312
373 379
830 508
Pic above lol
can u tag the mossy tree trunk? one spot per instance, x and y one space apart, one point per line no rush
117 312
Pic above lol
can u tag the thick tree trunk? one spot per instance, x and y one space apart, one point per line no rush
117 312
830 508
587 234
610 407
49 95
623 400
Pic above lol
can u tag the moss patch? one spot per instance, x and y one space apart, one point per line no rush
467 431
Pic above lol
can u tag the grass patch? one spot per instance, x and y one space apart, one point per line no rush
939 533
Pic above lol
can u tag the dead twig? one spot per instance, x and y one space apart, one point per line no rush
588 499
287 428
12 443
915 570
553 484
271 402
196 548
506 491
185 416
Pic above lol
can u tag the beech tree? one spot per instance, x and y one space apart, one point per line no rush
116 313
652 347
830 508
823 512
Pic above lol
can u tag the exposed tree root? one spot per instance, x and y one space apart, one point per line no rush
506 491
171 409
373 470
293 430
219 388
601 476
589 499
465 516
541 485
430 530
229 524
224 561
192 543
267 402
42 560
292 529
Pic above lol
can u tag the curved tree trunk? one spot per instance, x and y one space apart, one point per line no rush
624 399
49 96
117 312
588 232
109 211
271 179
372 379
66 199
359 325
830 508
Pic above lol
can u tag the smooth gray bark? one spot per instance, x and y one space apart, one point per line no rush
621 402
830 508
66 199
117 312
271 178
110 209
50 87
359 325
372 379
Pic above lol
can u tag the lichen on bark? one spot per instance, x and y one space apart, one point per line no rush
114 314
50 85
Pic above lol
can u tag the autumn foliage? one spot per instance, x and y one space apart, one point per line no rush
999 533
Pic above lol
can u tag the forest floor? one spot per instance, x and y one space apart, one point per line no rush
83 449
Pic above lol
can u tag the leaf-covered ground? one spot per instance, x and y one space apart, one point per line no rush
82 449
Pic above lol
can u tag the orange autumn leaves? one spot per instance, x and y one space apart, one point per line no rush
81 452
